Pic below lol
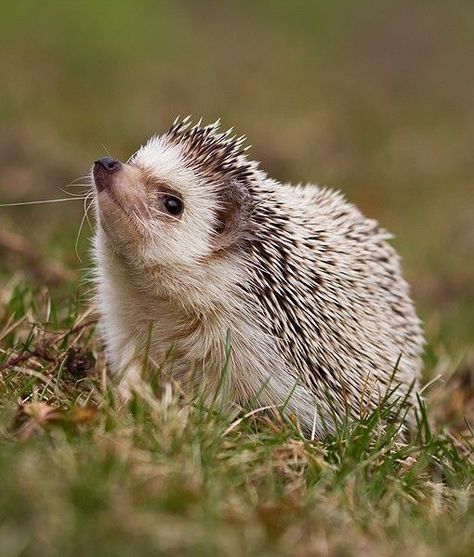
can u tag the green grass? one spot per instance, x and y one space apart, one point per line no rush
82 474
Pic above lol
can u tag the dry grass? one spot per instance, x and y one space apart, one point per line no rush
85 475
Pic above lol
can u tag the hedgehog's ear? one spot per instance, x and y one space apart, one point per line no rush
233 222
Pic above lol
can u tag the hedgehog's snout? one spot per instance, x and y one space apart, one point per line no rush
104 170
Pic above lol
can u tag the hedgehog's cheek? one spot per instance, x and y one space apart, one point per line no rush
121 228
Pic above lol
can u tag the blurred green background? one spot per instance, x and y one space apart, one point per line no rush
375 98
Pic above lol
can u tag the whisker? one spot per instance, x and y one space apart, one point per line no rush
71 193
105 149
84 217
148 207
88 207
85 177
81 182
78 236
19 204
155 210
140 219
163 192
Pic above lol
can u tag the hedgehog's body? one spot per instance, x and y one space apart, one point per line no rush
308 291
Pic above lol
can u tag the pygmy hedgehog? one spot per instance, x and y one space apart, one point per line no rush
205 263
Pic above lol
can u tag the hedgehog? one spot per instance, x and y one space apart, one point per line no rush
212 270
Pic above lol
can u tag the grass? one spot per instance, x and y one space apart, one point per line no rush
82 474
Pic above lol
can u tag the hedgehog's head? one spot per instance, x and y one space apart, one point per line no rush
182 199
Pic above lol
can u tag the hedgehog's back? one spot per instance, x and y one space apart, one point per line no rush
329 289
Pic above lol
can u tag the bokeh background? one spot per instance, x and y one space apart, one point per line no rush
374 98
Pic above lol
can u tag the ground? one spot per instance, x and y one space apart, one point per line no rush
376 101
84 474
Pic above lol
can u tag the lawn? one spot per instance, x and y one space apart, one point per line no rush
83 474
374 100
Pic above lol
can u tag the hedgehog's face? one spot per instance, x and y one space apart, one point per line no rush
157 210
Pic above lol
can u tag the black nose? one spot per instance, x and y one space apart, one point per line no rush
108 164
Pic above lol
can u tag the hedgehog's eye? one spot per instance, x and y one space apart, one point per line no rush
173 205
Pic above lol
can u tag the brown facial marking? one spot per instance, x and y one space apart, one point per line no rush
160 191
152 183
233 215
